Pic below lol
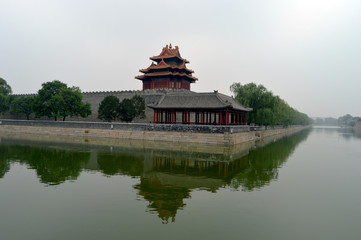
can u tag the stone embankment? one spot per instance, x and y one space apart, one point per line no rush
200 134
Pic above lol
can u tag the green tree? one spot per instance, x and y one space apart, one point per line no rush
55 99
265 117
126 110
42 105
5 88
109 108
23 105
130 109
69 103
267 108
139 106
5 91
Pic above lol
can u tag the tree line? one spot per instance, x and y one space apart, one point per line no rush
268 109
348 120
112 109
54 100
58 101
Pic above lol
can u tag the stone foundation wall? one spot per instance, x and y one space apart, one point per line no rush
218 135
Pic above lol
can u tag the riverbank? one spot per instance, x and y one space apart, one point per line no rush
175 133
357 128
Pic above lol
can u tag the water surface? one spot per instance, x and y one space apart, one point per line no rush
304 186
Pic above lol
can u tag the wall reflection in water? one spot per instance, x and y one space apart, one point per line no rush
166 177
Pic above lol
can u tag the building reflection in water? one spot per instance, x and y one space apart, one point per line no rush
166 178
165 200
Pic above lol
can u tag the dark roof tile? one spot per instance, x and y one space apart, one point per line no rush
193 100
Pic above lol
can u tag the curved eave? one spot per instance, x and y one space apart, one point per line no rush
141 77
164 74
149 69
160 58
144 70
198 108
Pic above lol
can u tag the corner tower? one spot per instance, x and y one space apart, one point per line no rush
168 71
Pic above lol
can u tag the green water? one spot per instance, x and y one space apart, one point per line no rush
305 186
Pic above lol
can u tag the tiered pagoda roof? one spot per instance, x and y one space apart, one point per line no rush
168 71
163 65
169 52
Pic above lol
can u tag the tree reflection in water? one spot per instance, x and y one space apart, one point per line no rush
263 163
52 165
166 177
4 161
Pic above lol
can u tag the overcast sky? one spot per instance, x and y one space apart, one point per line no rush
306 51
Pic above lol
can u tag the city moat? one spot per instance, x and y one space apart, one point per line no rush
304 186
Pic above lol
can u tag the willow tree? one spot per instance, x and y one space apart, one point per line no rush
268 109
5 91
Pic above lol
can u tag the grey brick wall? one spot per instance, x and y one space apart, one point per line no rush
95 98
217 135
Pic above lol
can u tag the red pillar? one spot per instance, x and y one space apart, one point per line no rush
227 117
154 116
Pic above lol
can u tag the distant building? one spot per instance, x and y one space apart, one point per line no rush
169 72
